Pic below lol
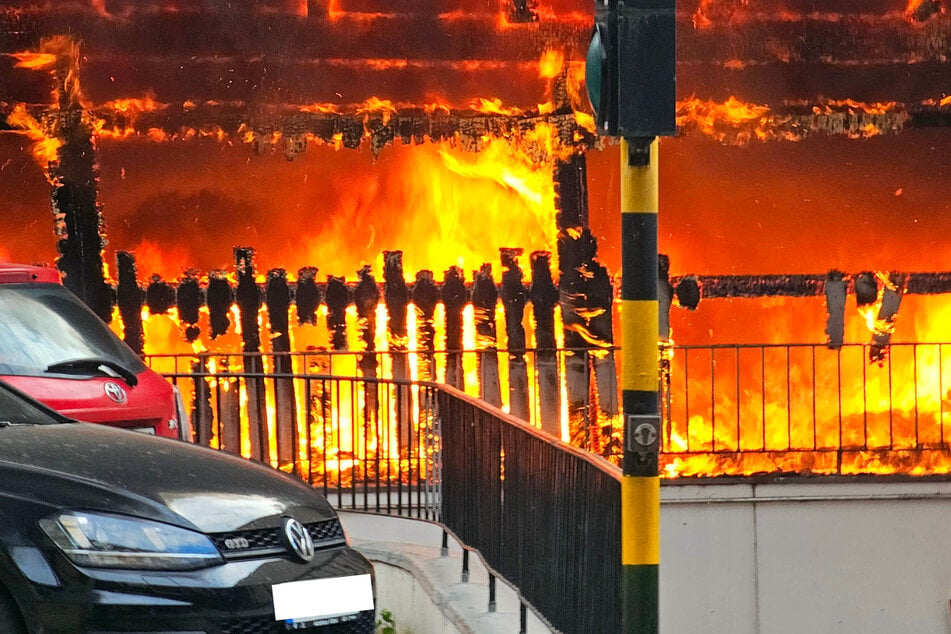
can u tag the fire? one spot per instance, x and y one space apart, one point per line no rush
550 64
712 11
719 120
493 106
34 61
45 148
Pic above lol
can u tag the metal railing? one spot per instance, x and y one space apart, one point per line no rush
366 444
733 409
543 514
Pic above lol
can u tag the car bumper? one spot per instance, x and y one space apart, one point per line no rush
231 598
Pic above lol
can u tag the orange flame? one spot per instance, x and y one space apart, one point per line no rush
45 148
550 64
34 61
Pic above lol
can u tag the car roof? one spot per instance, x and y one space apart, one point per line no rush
21 273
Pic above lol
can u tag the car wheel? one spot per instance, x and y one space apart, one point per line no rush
9 615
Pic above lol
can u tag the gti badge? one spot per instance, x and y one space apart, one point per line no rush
235 543
115 392
298 538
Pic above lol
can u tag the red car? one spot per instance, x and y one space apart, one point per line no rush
55 349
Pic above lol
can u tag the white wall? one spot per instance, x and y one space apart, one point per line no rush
806 557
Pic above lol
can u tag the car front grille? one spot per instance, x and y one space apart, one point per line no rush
363 623
267 541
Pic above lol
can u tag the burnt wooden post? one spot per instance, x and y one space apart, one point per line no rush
77 217
894 289
337 297
425 298
396 294
220 297
129 299
190 299
835 292
249 304
574 252
514 296
485 296
600 305
544 296
228 396
278 299
454 299
366 297
307 295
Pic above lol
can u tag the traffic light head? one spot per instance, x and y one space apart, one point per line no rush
630 68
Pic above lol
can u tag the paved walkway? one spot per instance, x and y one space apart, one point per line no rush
424 589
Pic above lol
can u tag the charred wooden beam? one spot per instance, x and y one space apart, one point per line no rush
544 297
396 296
189 298
278 300
159 296
366 297
337 297
307 296
220 297
455 296
728 286
248 297
425 298
129 300
77 216
885 321
485 297
835 292
514 296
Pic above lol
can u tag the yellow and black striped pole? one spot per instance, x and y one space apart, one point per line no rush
640 485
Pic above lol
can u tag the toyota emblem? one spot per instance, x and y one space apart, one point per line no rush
299 539
115 392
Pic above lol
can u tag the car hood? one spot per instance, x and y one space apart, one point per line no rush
81 465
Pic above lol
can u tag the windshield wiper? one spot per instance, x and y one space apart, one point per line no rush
106 366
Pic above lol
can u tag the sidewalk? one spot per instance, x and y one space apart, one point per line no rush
422 589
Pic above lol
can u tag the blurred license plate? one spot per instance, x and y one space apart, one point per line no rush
322 598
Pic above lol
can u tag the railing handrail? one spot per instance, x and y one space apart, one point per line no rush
593 459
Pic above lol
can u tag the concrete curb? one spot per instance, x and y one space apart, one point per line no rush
412 547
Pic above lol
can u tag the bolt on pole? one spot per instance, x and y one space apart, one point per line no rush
640 484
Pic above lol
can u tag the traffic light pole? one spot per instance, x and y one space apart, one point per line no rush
640 484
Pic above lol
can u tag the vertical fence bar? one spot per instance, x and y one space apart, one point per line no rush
713 400
788 402
815 441
762 384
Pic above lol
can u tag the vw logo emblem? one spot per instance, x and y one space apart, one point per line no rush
115 392
299 539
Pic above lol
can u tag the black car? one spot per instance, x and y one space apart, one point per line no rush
106 530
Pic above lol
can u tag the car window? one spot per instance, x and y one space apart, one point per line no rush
44 324
14 408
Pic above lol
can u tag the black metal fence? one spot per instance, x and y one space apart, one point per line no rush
366 444
545 515
803 408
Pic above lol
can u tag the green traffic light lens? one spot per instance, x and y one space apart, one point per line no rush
593 67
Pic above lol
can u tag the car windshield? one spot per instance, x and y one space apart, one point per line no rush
15 409
42 325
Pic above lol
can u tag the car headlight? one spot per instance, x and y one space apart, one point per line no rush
110 541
